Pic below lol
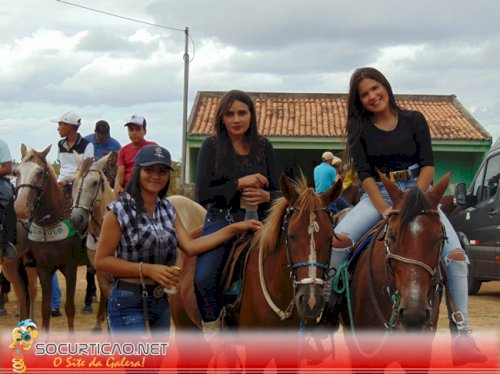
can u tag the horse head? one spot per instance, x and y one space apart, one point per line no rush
414 238
90 190
32 178
307 235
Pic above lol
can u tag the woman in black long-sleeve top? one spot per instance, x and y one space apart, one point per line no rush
235 167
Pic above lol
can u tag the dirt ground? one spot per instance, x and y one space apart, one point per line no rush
484 309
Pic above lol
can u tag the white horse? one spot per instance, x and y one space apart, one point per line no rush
91 194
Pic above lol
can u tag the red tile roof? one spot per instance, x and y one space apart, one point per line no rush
323 115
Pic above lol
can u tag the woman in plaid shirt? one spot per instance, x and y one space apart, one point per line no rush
143 228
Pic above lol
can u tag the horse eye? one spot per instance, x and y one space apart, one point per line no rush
39 174
15 172
94 183
391 237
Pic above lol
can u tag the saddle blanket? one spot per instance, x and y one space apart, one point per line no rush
53 233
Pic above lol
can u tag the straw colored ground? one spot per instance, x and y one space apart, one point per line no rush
483 309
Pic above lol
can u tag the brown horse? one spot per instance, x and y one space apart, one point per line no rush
352 194
283 281
91 194
288 259
42 202
295 238
395 282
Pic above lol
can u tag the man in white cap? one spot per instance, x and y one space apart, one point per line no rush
324 174
71 142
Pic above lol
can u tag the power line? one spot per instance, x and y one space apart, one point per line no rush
187 61
118 16
133 20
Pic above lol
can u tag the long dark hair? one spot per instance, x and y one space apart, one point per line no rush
357 115
225 156
134 189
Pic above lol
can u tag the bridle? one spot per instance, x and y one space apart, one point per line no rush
390 255
90 208
45 220
38 188
312 262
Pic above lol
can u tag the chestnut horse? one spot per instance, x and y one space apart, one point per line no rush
395 284
289 258
42 202
91 195
286 268
296 238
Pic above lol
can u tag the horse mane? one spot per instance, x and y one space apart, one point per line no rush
268 236
414 204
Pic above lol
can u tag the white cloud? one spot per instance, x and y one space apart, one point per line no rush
56 57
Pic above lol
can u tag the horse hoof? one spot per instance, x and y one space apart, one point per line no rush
87 309
96 329
55 313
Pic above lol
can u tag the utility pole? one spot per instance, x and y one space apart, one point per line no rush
186 74
185 107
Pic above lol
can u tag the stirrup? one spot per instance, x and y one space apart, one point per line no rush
458 319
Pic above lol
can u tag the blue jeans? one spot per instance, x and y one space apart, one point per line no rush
56 293
364 216
209 265
125 313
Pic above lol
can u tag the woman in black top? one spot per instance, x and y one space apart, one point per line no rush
382 136
235 167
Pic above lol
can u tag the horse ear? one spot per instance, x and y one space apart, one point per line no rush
102 161
288 189
46 151
330 195
394 191
24 150
438 190
112 157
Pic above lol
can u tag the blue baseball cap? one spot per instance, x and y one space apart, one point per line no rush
153 155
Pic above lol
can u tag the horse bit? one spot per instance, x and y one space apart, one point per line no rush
311 263
434 273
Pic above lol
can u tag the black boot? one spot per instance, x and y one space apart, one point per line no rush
3 300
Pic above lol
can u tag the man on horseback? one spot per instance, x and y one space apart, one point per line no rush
325 175
103 144
72 142
7 213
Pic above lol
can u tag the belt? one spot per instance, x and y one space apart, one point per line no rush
154 290
403 175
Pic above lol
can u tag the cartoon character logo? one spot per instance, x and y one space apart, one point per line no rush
23 336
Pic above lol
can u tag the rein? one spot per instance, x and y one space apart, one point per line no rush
39 188
311 263
45 220
389 255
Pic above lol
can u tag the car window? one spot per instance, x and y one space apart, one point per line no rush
475 189
493 174
486 183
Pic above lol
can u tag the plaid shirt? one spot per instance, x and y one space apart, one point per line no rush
152 240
